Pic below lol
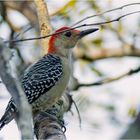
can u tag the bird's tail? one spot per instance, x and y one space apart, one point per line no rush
3 121
2 124
6 118
9 114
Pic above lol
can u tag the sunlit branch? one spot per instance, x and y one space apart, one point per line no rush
44 23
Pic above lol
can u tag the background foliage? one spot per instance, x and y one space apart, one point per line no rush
106 110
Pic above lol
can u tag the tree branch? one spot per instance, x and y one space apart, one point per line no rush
83 25
44 22
14 88
111 21
106 80
105 12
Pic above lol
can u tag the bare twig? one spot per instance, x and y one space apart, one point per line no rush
84 25
113 20
14 88
23 30
109 79
78 112
105 12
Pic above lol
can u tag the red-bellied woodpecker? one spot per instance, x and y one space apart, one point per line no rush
45 81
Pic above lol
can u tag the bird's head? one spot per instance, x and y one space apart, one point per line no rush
60 43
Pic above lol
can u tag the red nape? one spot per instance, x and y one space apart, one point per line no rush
51 46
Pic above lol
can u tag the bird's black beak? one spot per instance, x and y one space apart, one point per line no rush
86 32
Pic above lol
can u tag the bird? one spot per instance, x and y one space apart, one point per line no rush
45 81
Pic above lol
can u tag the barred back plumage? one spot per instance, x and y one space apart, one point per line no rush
41 77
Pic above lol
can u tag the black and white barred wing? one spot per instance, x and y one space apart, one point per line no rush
41 77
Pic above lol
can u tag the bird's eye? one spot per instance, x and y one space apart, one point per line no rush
68 34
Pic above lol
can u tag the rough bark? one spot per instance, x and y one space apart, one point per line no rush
13 86
44 23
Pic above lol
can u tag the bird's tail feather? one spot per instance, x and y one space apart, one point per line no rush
2 124
9 114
